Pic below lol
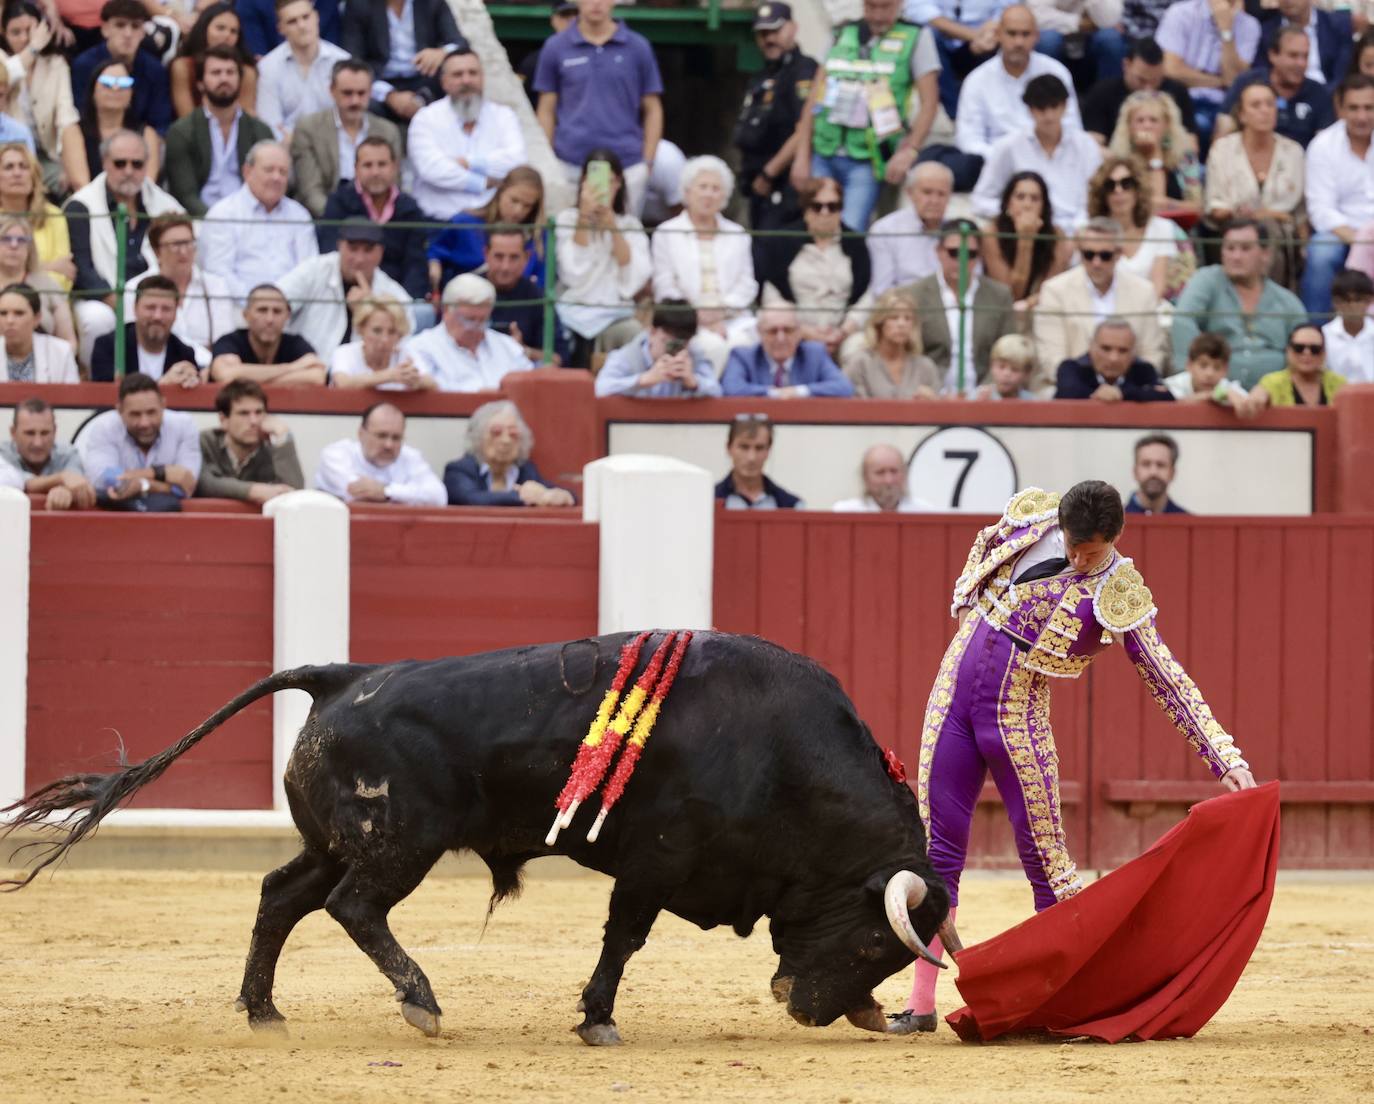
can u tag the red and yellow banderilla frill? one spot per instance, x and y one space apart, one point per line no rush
604 736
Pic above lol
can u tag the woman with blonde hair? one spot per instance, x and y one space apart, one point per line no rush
1149 243
373 357
21 194
42 99
1150 128
519 201
19 265
890 364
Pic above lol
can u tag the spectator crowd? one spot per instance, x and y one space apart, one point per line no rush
1082 199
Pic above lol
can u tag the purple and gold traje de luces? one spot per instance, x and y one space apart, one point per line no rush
989 707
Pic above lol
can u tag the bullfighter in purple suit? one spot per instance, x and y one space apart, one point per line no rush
1044 591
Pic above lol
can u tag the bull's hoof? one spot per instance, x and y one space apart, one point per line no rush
598 1034
910 1023
422 1019
271 1022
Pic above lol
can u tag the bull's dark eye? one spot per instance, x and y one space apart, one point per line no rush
874 945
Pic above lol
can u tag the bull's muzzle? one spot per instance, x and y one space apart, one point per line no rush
905 891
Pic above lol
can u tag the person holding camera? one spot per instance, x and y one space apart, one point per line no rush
661 364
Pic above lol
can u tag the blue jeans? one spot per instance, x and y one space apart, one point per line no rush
859 184
1326 255
1101 60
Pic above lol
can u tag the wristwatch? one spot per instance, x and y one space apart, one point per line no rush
144 486
1227 36
1156 163
160 473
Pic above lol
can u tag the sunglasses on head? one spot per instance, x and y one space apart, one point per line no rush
826 206
1305 347
1121 184
127 162
1097 254
110 80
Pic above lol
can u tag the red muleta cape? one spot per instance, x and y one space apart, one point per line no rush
1150 951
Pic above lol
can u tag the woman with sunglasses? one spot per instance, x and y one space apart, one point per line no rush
216 25
30 356
42 100
19 264
21 193
1023 248
1150 128
1257 173
814 267
1303 381
1149 244
111 98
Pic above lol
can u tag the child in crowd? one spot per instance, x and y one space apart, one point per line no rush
1350 335
1009 367
1209 360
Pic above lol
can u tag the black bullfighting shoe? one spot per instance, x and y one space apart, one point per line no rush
909 1022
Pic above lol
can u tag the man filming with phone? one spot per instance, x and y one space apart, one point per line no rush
661 364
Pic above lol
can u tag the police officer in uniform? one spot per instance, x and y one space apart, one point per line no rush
871 107
766 130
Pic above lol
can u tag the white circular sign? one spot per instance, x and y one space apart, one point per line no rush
963 469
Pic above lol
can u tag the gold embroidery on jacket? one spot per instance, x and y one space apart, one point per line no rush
937 712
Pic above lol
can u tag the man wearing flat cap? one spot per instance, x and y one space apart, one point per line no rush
323 290
766 130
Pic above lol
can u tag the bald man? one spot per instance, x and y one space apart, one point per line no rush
901 246
885 492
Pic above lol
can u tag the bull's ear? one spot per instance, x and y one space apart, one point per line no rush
875 887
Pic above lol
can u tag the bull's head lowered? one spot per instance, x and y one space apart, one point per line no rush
825 974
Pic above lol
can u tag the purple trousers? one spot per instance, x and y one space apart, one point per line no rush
988 712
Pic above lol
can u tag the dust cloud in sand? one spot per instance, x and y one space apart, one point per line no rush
119 988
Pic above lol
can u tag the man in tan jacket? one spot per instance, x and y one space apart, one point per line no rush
1073 303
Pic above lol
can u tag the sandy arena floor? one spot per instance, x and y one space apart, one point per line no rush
119 988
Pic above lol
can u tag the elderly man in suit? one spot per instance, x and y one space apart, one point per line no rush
782 365
324 145
984 313
1074 302
404 59
1109 371
193 175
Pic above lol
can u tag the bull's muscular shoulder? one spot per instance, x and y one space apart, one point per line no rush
1031 506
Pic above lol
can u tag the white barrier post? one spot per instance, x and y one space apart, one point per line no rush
657 518
14 641
309 606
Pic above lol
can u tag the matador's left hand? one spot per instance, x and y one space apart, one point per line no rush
1238 778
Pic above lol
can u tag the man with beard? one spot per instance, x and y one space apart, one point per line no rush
206 149
1156 457
885 488
123 179
150 346
140 455
462 145
324 148
251 456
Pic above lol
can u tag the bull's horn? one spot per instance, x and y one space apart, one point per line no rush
905 891
949 937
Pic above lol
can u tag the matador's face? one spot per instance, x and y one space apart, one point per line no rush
1087 556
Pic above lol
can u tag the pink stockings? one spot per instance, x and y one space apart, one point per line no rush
922 1000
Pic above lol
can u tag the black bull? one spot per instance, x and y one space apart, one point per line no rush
761 793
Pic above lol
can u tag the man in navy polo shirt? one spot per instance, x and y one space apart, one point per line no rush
599 86
1304 105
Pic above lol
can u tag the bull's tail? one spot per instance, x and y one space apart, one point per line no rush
89 798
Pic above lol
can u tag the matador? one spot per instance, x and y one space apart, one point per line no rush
1043 593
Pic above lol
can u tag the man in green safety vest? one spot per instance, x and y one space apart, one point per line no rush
857 127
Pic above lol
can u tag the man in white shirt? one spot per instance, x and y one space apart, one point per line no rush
1350 335
990 98
462 353
885 488
462 146
901 246
254 235
1340 189
323 290
379 466
293 77
1073 303
1065 158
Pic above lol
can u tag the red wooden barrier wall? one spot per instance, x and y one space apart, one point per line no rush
1273 618
139 628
